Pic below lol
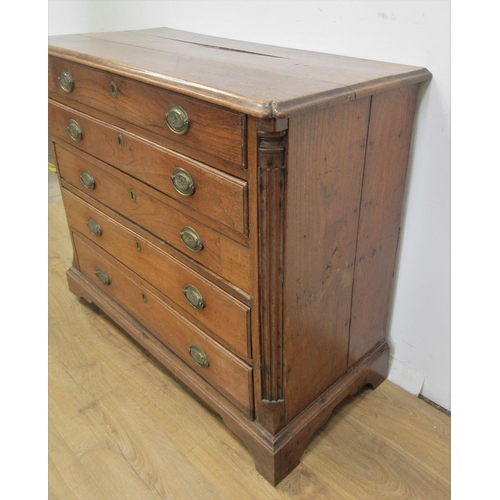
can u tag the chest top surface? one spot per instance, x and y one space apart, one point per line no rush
260 80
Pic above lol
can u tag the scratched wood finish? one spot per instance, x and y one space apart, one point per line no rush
121 427
220 196
216 279
219 253
155 139
387 154
217 131
225 371
271 216
324 186
248 77
322 139
226 317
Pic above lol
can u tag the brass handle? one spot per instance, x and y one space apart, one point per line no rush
75 131
194 297
94 227
102 275
87 179
182 181
199 356
177 119
65 80
191 239
114 89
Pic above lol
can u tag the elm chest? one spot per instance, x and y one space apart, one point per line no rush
235 207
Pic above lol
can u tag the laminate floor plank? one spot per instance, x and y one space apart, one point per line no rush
411 426
121 427
68 478
177 414
363 464
112 412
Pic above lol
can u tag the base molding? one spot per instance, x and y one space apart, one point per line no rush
275 456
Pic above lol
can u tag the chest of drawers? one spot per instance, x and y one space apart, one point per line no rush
235 208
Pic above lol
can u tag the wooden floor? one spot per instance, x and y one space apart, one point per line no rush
120 427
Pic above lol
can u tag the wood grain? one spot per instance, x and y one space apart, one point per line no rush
217 131
217 195
120 427
224 316
388 148
225 371
271 217
291 268
249 77
224 256
324 182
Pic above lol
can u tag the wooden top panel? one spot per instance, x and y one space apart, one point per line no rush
260 80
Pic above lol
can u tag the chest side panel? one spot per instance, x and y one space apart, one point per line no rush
325 170
383 188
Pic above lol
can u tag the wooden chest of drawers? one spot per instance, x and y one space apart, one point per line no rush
235 208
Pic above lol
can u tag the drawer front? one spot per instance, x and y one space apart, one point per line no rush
227 373
207 304
131 199
211 129
201 188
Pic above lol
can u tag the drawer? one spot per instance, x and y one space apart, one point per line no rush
227 373
211 129
202 300
145 206
201 189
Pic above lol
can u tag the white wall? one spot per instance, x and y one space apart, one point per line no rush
409 32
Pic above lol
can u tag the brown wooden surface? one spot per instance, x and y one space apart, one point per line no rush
253 223
219 253
120 427
222 314
294 252
325 171
387 154
271 216
225 371
216 131
217 195
262 81
153 240
164 141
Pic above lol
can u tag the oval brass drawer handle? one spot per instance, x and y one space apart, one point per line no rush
65 80
75 131
199 356
194 297
94 227
177 119
182 181
191 239
114 89
87 179
102 275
